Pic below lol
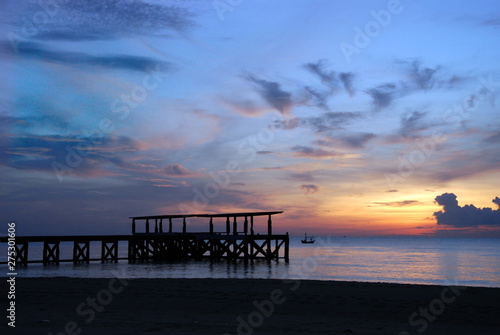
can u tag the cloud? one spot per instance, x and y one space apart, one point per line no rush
125 62
301 176
398 203
309 188
310 152
73 154
351 140
419 78
493 138
466 216
325 122
331 79
423 77
382 95
177 170
272 93
78 20
347 81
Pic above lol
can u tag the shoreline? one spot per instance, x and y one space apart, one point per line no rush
248 306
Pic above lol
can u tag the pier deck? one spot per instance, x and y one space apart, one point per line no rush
155 244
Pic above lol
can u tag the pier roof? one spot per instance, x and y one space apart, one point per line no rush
175 216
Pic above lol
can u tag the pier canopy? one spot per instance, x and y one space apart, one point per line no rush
248 222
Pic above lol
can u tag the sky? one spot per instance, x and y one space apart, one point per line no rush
365 118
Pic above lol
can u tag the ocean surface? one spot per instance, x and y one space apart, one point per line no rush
409 260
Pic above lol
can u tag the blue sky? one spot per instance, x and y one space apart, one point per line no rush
352 117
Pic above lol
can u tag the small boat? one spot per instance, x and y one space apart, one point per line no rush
308 239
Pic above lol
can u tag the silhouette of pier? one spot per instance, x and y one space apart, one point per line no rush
158 241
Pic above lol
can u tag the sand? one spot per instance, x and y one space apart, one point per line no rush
235 306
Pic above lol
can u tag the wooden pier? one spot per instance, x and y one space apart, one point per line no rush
160 241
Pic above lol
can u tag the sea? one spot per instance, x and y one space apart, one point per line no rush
405 260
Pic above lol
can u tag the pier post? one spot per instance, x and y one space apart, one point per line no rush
81 251
184 225
22 253
235 227
269 226
169 225
287 244
50 252
109 251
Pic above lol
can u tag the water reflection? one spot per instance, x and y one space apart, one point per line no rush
399 260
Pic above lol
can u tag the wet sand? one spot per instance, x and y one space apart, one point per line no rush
239 306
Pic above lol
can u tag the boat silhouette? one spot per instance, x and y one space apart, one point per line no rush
308 239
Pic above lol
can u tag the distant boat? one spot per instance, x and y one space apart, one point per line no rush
308 239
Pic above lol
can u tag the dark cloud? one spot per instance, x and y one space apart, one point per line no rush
350 140
331 79
357 140
264 152
413 123
466 216
177 170
309 188
126 62
301 176
423 77
325 122
491 22
73 154
419 78
391 191
347 81
328 78
272 93
493 138
398 203
77 20
318 98
310 152
383 95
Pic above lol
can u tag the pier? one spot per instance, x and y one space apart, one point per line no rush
165 238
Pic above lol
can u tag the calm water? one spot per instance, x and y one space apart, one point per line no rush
415 260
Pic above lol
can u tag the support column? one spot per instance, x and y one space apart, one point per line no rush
147 226
161 225
22 253
269 226
184 224
50 252
133 226
287 242
235 227
228 226
81 252
156 225
169 225
211 225
251 225
245 226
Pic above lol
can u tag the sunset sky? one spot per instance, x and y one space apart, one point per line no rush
350 116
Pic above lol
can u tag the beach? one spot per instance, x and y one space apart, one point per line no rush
247 306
